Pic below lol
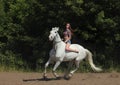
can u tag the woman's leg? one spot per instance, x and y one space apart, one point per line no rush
69 49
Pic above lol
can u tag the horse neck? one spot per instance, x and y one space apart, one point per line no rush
57 39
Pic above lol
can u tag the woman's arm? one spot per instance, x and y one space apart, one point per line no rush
69 34
69 37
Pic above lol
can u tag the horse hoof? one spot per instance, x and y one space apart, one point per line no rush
58 78
45 77
67 77
70 75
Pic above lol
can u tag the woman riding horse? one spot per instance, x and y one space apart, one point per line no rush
67 38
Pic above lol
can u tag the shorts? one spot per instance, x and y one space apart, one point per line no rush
69 41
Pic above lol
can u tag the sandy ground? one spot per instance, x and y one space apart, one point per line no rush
14 78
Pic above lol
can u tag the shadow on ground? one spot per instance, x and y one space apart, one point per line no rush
42 79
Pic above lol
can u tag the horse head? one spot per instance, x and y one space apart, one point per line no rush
55 28
53 33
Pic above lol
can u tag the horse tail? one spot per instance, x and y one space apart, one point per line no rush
89 56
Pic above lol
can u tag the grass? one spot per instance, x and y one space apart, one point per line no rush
84 68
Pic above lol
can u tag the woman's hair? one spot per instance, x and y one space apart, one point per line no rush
70 28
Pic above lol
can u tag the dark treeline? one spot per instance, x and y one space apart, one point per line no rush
25 26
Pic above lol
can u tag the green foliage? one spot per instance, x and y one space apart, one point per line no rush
25 26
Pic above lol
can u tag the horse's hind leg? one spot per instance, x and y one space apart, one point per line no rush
68 69
73 71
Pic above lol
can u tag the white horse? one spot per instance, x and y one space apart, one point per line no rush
58 54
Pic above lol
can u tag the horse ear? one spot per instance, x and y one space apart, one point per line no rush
57 28
53 28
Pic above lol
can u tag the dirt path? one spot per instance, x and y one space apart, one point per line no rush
8 78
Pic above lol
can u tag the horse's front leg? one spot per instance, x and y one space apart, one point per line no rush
55 67
45 71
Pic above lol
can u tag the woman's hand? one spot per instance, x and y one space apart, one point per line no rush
67 40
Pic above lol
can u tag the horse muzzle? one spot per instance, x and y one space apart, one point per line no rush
50 38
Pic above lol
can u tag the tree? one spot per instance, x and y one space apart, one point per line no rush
25 26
